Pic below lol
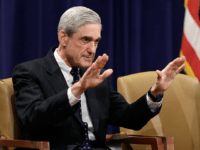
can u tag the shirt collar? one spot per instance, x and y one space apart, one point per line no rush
63 66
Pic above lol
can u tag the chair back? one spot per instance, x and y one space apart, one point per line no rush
9 125
180 113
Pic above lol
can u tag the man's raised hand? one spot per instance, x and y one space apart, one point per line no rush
92 77
167 75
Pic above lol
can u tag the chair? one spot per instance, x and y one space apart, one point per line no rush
180 113
9 130
10 134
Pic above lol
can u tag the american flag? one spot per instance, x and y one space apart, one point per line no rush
190 47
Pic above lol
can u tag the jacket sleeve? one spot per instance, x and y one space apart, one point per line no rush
133 116
34 109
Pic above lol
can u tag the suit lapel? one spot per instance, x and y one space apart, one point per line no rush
57 81
56 78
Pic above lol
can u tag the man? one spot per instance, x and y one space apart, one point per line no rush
74 114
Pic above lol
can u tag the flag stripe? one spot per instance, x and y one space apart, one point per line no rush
191 56
185 3
192 32
193 6
188 68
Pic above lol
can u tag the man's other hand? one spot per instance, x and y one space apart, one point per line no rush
167 75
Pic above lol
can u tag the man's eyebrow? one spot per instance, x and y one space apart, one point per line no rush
91 38
98 39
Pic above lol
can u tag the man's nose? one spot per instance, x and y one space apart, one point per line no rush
92 47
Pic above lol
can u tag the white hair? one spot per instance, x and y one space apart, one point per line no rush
75 17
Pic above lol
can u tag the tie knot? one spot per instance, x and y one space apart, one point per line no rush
75 73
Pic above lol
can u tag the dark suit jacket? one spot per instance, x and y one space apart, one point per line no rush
45 113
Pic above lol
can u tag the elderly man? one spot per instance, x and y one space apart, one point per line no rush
66 98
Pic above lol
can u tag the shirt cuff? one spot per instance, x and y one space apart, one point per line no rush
72 99
153 106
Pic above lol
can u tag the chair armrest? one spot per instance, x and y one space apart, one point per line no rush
156 142
25 144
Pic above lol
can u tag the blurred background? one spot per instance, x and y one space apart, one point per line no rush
138 35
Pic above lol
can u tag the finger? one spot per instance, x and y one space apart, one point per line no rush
180 68
97 62
105 59
183 58
90 70
106 74
179 65
98 65
159 73
102 62
175 64
180 61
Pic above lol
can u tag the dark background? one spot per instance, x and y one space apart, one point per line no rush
138 35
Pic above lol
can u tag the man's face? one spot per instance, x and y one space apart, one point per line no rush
81 47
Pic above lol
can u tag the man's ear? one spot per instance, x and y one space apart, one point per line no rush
62 37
